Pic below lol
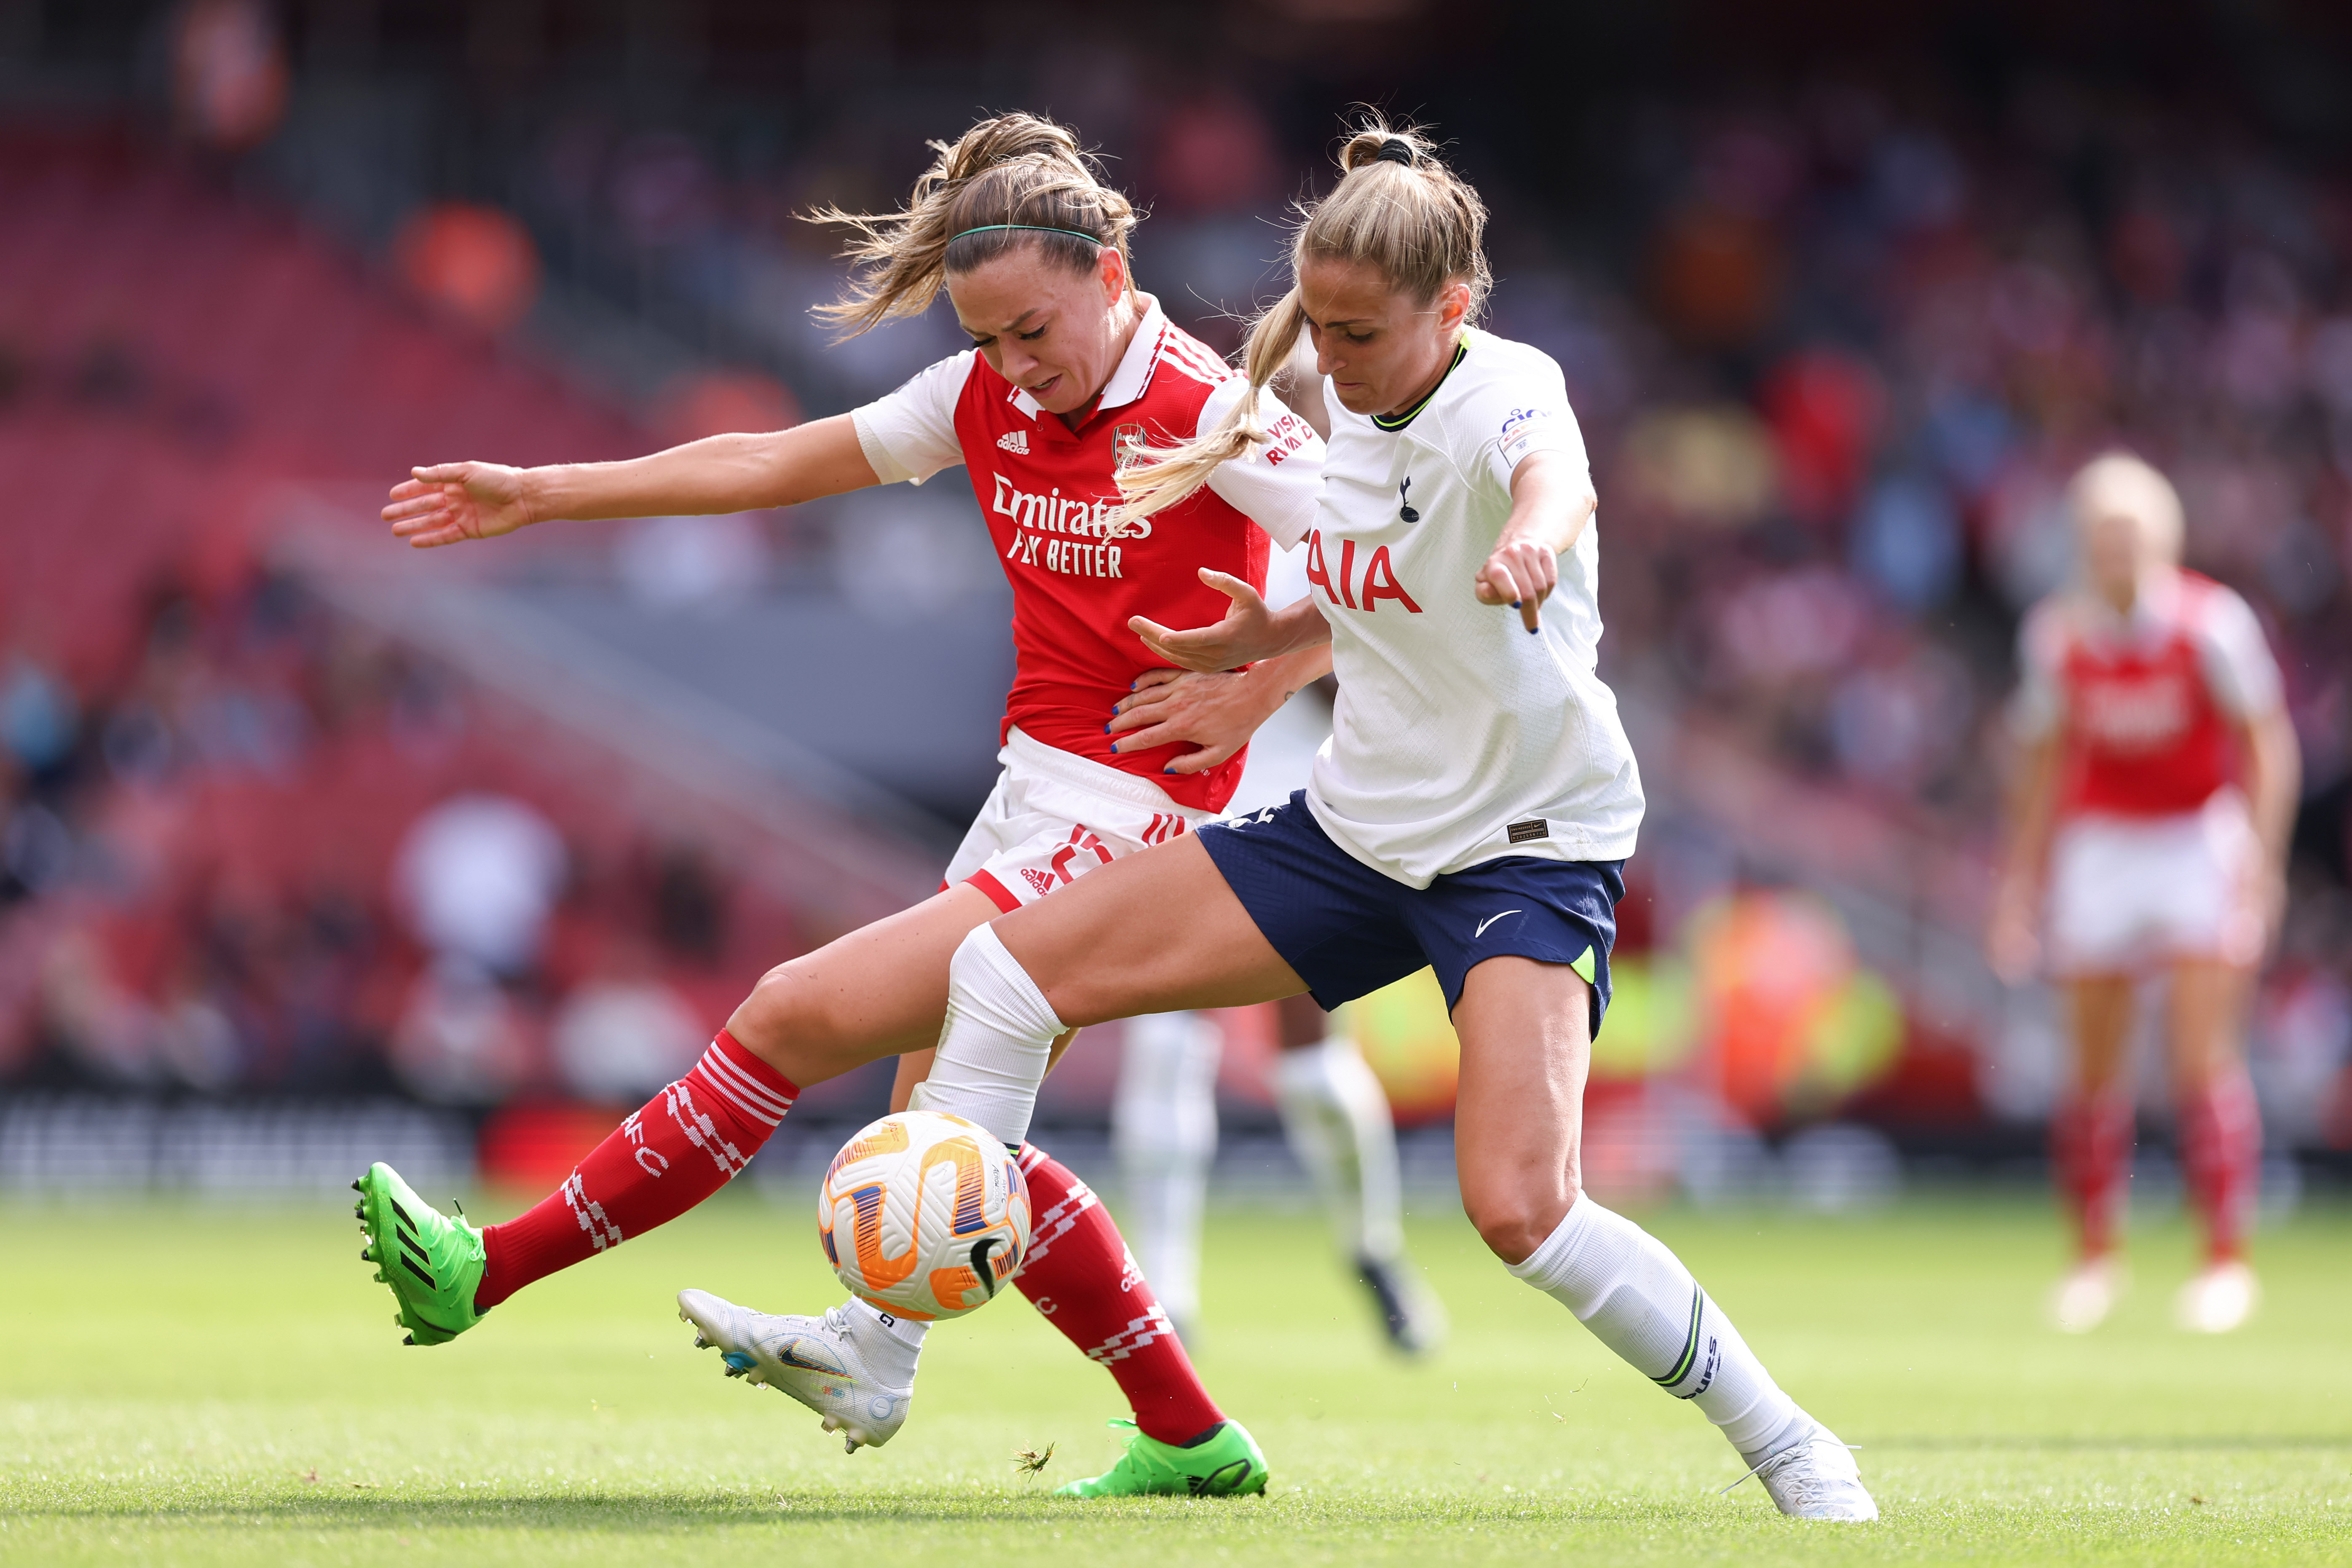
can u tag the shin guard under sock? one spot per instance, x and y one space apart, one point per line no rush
2090 1155
1079 1275
2220 1132
998 1038
1638 1299
683 1145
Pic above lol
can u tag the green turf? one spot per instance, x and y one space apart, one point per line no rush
201 1386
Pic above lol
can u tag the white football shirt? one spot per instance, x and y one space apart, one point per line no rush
1458 738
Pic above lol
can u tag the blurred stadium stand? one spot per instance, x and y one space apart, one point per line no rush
1841 294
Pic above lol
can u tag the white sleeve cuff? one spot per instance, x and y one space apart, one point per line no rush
887 469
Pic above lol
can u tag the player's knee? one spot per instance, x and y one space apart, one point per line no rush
782 1007
1514 1220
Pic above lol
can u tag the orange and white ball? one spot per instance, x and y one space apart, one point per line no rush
924 1215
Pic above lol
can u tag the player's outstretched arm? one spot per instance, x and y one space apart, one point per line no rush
448 503
1250 631
1216 713
2013 935
2274 785
1551 500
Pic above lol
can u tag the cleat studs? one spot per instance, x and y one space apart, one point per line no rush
364 1256
357 1188
408 1339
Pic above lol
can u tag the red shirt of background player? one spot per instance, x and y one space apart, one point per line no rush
2144 735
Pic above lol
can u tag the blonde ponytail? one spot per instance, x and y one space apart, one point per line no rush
1010 181
1396 209
1161 479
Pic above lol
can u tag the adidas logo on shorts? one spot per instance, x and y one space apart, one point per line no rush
1015 442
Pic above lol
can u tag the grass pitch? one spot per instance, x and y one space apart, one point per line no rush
183 1385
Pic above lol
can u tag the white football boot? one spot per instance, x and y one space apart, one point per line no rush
2220 1299
844 1365
1816 1477
2082 1301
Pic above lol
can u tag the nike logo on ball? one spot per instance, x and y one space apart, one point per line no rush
1490 919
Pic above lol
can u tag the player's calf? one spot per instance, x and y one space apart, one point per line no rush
1639 1301
676 1150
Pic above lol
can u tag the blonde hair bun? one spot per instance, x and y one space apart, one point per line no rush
1398 209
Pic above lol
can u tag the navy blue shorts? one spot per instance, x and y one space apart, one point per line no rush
1349 931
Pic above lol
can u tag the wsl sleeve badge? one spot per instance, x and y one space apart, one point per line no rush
924 1215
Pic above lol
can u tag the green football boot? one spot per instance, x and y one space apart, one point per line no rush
433 1263
1227 1465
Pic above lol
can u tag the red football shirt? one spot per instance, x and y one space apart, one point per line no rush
1046 490
2145 706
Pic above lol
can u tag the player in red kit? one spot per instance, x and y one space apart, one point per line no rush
1072 369
2147 834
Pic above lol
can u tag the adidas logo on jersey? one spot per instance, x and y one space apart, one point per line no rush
1015 442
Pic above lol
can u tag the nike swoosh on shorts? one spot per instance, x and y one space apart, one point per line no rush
1490 919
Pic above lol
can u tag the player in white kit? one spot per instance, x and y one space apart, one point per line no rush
1335 1114
1472 811
2150 820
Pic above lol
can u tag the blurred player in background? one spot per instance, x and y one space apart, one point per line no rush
1334 1111
1072 367
2147 835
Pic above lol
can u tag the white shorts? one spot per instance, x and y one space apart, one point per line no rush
1054 816
2127 893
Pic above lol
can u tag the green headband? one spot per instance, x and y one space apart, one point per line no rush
1031 228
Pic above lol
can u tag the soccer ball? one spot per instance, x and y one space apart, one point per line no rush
924 1215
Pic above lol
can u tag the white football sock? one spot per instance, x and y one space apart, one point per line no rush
1163 1124
1639 1301
993 1049
1337 1116
894 1343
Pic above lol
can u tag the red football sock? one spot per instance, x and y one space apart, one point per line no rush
2090 1154
1080 1275
2221 1130
681 1147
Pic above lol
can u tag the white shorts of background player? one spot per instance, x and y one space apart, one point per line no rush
2133 893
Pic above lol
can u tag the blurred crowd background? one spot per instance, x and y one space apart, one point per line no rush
305 841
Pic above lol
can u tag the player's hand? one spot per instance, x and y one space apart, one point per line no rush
451 502
2266 897
2013 937
1522 573
1214 712
1247 635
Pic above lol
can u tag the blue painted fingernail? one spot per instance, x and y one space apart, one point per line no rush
1515 604
1532 631
1105 727
1168 770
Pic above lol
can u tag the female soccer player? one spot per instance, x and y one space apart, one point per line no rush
1335 1114
1472 811
2151 813
1071 369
